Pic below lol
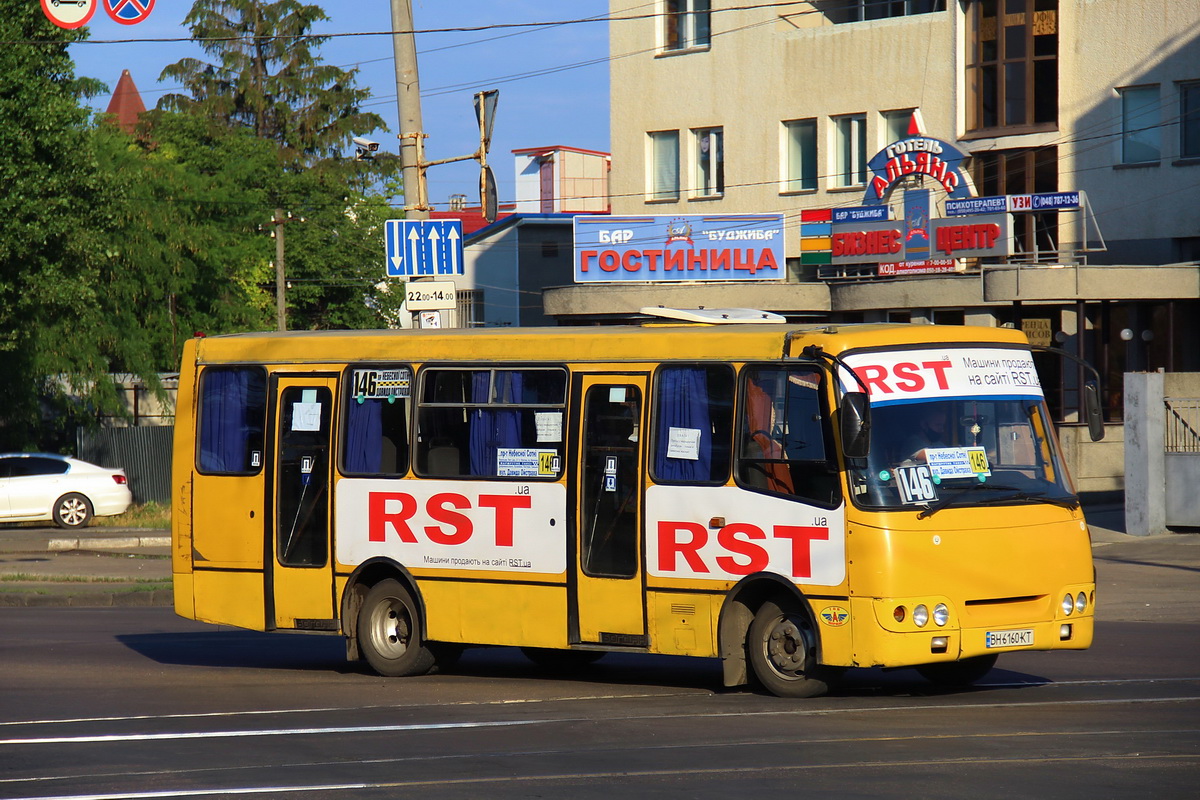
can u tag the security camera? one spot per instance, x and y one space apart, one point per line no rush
363 148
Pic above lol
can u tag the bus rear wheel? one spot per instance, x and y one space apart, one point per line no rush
390 633
782 652
958 674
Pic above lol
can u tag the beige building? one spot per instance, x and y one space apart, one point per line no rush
722 107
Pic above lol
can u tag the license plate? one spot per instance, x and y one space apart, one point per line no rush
1022 638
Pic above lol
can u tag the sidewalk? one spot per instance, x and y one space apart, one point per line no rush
86 568
1152 578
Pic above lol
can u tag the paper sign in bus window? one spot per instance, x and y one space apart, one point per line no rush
948 463
683 443
306 415
526 462
549 425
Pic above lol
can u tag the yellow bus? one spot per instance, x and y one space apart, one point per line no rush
792 500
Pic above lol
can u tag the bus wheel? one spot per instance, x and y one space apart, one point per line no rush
957 674
782 653
389 632
559 660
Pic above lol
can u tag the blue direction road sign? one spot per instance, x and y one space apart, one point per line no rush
416 247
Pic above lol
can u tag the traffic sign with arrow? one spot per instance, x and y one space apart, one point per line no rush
418 247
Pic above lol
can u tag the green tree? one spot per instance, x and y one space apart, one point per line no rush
50 181
269 78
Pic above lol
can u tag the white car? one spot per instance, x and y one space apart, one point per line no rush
42 486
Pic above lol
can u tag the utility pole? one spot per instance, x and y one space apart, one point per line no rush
408 100
280 284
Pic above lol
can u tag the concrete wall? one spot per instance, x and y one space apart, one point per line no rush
1160 487
1094 466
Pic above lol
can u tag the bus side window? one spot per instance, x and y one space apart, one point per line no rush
375 440
233 410
693 424
784 434
504 423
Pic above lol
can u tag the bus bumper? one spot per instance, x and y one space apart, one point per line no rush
875 645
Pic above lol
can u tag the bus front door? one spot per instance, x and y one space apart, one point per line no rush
300 580
609 597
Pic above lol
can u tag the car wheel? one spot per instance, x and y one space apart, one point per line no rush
72 511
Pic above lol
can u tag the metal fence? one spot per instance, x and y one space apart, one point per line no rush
1181 433
144 452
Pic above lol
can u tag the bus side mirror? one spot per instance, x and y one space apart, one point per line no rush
1091 409
855 424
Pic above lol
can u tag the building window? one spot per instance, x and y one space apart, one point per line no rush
710 162
896 124
838 11
685 24
801 155
1140 140
1013 64
663 177
1189 120
1021 171
850 151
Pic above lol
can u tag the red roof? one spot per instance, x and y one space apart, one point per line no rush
472 217
126 104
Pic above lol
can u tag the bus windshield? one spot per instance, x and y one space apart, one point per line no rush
957 426
962 452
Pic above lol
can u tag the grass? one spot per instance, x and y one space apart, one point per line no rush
146 515
29 577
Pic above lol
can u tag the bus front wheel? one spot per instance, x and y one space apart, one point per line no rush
389 632
782 651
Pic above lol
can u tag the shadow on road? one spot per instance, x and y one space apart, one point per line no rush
238 649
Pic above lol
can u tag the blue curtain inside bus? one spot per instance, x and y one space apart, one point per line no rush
494 428
683 403
364 436
232 407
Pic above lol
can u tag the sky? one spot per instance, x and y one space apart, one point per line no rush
567 105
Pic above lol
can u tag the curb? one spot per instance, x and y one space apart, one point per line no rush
130 599
108 543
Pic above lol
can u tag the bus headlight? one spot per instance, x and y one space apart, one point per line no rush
921 616
1068 605
1081 602
941 614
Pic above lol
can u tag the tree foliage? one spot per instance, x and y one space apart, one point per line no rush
116 248
49 180
267 77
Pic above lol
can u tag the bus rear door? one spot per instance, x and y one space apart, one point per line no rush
609 592
300 578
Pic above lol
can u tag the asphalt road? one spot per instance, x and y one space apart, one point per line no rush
135 702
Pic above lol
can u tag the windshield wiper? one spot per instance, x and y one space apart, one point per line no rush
1037 497
952 499
1016 494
